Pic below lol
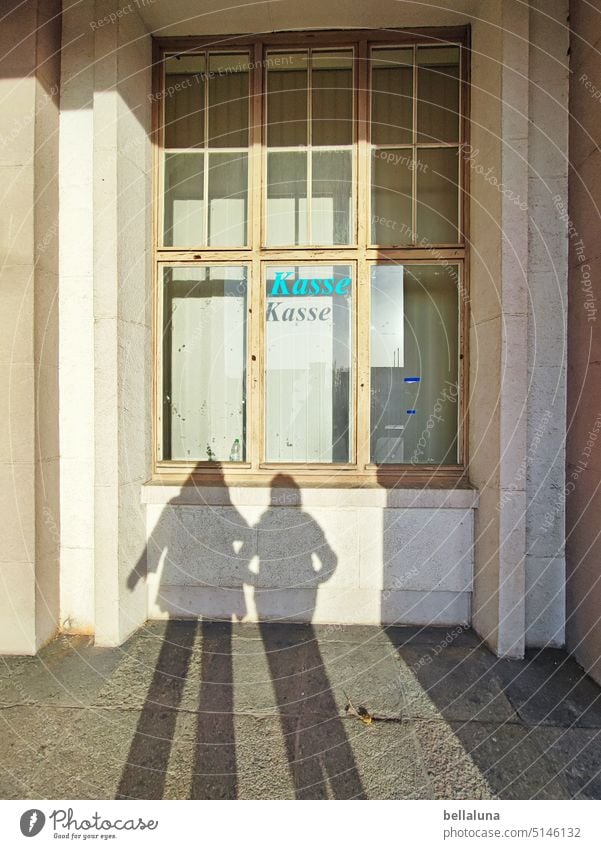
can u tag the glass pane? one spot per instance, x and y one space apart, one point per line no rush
392 96
438 94
414 364
437 196
308 364
286 198
204 361
184 101
287 100
331 202
228 100
391 183
228 199
184 200
332 96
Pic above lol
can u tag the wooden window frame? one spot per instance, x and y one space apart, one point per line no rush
363 254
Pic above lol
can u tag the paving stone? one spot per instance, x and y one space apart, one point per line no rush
459 683
456 635
450 771
69 671
63 753
161 669
510 760
549 688
215 710
576 756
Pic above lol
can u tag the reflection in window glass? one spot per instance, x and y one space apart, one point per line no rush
308 364
419 207
228 181
286 198
228 100
184 101
287 81
437 94
189 177
414 364
204 355
184 199
331 202
437 196
309 107
392 96
391 193
332 98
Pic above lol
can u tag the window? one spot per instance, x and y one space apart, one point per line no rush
310 257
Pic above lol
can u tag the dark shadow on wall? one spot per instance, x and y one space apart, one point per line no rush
214 763
294 558
290 541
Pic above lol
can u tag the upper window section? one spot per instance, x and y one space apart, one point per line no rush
206 140
343 148
415 138
309 193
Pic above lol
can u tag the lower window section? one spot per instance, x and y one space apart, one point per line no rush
414 364
204 363
308 358
308 397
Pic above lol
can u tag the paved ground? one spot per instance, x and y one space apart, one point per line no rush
208 710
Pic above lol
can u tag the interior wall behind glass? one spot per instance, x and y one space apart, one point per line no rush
184 101
392 96
204 362
287 107
184 199
228 100
438 195
437 94
414 374
308 364
332 98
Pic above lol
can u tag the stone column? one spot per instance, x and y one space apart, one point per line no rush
498 161
29 479
122 310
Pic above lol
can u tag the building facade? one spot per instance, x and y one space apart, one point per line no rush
285 299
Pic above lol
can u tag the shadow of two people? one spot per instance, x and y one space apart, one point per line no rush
294 558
